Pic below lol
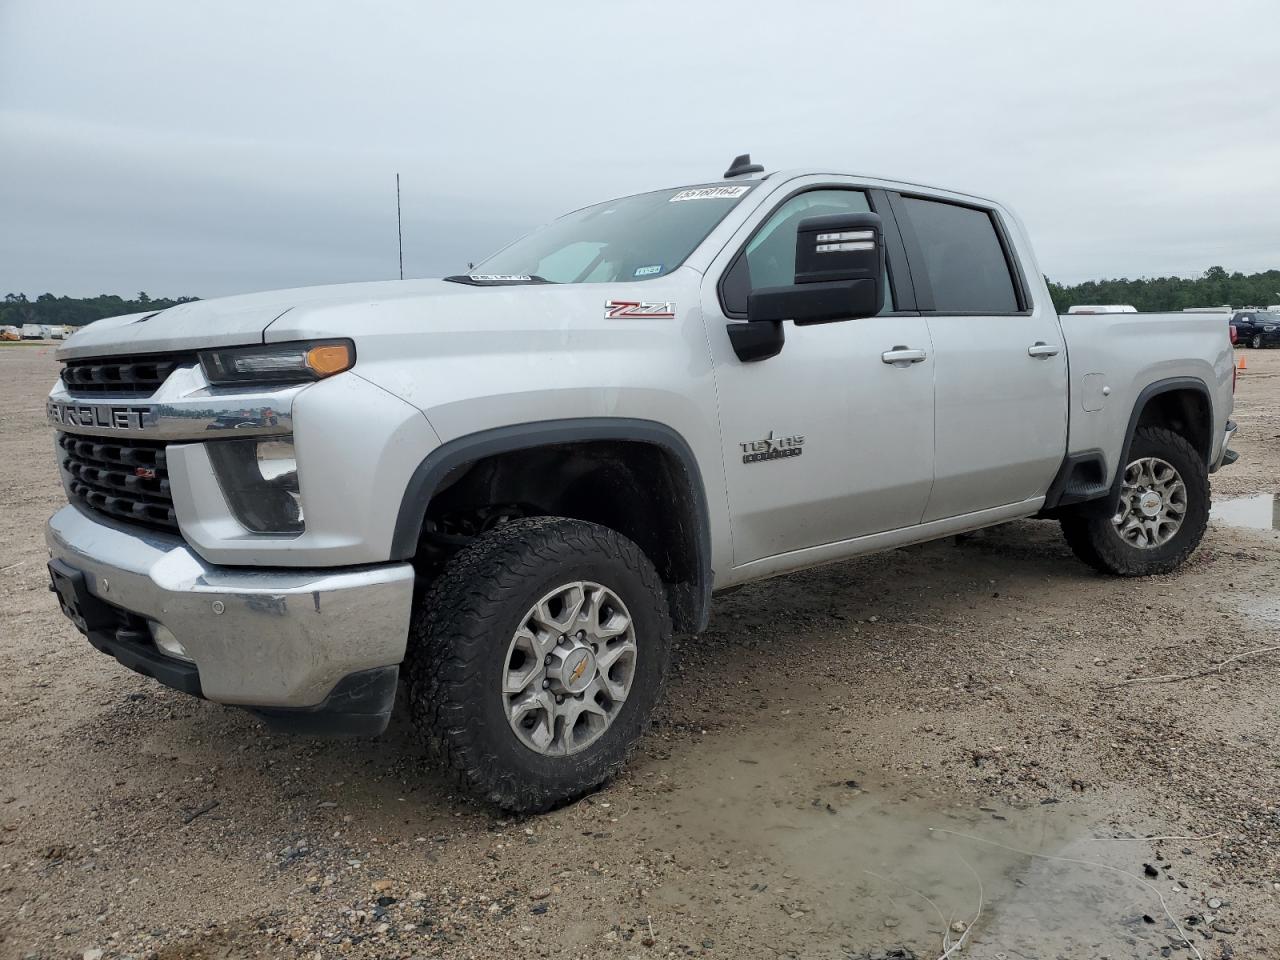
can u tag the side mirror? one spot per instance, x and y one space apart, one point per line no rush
839 276
839 273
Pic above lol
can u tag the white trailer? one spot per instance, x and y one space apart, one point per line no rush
1103 308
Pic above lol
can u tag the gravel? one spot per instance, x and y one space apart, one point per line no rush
826 723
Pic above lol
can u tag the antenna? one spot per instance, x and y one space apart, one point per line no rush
399 231
741 166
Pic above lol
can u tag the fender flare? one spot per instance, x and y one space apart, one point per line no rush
1154 390
430 475
1150 391
1092 497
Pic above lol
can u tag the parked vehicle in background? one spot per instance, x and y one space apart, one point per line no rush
1103 308
509 488
50 331
1225 308
10 333
1257 328
32 331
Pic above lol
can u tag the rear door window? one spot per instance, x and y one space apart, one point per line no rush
963 258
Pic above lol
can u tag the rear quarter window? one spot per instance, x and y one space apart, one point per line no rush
963 258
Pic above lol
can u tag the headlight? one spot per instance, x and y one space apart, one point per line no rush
278 362
260 481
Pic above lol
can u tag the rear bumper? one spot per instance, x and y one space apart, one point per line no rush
296 646
1226 456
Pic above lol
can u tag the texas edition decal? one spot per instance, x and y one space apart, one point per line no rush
771 448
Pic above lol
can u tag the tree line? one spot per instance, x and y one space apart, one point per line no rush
1214 288
76 311
1148 294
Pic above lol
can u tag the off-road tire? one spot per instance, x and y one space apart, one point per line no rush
1094 538
458 644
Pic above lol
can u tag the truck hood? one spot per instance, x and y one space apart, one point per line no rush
227 321
351 309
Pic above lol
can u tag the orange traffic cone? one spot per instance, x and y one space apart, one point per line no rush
1243 364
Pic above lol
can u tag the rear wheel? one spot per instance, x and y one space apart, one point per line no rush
536 660
1256 342
1161 514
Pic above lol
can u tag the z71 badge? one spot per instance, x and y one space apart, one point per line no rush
771 448
639 310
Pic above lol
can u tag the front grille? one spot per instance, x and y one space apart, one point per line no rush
126 479
136 376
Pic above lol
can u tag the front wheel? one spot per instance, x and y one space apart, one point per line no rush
1256 342
536 660
1161 514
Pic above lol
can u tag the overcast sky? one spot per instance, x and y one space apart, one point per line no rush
213 148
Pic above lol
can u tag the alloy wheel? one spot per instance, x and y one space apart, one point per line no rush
569 668
1153 504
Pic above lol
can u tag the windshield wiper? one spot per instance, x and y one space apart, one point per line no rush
496 279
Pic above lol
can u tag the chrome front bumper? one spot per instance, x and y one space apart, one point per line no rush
279 640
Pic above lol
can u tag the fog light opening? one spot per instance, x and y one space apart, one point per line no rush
167 642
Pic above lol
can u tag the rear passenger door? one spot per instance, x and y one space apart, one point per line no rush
1000 363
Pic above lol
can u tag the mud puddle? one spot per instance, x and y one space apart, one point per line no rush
1258 512
845 866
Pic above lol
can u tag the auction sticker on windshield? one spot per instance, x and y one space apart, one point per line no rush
710 193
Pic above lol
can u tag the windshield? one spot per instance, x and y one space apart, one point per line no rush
635 238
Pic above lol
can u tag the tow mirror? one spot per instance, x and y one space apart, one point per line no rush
839 276
839 273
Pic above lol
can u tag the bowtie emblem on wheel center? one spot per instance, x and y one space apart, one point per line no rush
1150 503
576 670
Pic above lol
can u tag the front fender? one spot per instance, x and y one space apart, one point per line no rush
434 470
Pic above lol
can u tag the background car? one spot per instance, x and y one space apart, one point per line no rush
1257 328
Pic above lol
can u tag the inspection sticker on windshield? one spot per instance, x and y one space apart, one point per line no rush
710 193
639 309
648 271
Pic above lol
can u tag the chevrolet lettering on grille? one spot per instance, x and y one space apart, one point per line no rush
102 416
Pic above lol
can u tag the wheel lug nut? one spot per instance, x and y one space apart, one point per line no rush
546 684
563 639
595 648
559 700
577 696
547 660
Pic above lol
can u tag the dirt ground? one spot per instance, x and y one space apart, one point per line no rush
855 762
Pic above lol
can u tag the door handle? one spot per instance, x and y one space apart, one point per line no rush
1042 349
902 356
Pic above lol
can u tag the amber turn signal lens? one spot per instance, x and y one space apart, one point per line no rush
329 359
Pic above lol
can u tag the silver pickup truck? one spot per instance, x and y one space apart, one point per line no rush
506 489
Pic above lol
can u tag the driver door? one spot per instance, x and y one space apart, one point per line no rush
829 440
